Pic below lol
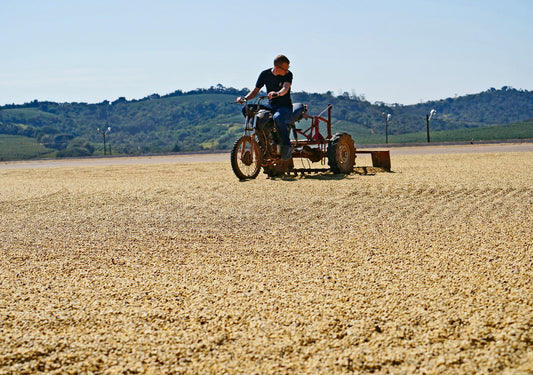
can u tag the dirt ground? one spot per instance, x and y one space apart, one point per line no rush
223 156
178 267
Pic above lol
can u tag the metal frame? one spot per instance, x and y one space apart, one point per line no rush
314 146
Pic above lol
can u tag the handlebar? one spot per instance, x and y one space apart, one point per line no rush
259 98
244 101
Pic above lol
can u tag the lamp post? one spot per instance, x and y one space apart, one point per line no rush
428 117
387 118
104 133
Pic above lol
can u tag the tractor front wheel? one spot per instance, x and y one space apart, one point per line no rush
341 153
246 158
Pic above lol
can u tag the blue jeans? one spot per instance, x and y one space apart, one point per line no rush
282 116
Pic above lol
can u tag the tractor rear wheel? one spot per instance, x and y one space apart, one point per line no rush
246 158
341 153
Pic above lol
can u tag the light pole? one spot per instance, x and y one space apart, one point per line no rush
104 133
387 118
428 117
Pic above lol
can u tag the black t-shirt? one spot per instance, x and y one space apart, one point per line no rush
275 83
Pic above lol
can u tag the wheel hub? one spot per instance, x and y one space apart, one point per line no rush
247 158
344 154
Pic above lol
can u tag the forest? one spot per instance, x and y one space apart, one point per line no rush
208 119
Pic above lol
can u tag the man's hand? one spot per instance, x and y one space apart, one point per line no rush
240 100
273 94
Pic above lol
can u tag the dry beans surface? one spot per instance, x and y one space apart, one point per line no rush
181 268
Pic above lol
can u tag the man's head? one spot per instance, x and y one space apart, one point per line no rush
281 65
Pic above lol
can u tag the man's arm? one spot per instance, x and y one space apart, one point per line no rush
252 94
283 91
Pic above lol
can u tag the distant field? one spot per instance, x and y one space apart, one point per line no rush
14 147
521 130
181 268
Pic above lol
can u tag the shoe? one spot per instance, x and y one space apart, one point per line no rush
286 152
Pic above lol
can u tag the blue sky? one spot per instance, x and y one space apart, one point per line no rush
392 51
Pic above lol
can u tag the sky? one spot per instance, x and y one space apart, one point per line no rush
404 52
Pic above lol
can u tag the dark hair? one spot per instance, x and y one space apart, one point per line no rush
281 59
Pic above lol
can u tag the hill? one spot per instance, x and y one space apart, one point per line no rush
205 119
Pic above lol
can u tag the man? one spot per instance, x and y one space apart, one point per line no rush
278 82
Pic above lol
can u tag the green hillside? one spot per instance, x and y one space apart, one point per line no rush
206 119
16 147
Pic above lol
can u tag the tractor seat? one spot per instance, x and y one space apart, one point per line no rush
298 110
